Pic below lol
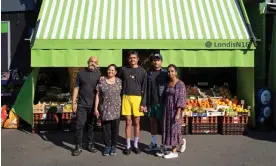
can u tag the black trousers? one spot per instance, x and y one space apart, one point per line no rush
85 115
110 132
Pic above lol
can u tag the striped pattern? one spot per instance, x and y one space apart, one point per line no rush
141 19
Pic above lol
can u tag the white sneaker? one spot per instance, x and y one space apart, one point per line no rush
171 155
183 146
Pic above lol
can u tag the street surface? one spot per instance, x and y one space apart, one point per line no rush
21 148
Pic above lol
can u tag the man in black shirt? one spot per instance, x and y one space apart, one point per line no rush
85 86
157 79
134 80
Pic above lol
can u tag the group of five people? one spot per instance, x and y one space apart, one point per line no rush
135 92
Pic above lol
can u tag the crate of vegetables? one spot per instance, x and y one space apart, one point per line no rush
39 108
204 125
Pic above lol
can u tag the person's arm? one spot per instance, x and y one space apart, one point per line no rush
180 98
148 89
75 93
144 89
96 106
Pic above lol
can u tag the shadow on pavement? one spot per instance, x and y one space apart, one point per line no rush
262 134
66 140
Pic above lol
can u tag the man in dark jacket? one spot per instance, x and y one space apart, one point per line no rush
157 79
85 88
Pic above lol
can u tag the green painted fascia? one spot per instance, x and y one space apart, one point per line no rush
4 27
143 44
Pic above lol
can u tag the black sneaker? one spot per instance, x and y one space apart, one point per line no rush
91 148
113 151
136 150
127 151
77 151
106 151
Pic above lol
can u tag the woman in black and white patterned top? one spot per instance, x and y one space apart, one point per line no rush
108 100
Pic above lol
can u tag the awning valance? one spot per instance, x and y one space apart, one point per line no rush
141 24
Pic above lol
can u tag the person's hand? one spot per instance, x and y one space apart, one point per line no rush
96 113
145 109
101 78
74 107
142 109
177 116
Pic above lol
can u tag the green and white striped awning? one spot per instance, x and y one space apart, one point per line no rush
140 24
117 24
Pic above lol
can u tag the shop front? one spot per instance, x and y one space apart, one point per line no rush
190 34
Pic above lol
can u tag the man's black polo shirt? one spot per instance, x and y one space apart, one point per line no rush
87 81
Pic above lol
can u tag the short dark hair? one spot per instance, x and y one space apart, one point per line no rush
173 66
112 65
132 52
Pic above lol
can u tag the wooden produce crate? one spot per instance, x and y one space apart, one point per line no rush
68 121
233 125
45 122
185 126
204 125
39 108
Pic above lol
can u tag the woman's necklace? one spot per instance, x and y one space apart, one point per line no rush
111 81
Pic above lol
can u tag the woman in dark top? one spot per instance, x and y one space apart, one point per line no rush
174 101
109 97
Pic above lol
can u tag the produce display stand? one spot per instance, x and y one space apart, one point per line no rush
67 37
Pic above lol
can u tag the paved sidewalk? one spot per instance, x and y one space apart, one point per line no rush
53 149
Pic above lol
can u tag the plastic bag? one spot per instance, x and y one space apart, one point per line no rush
12 122
3 114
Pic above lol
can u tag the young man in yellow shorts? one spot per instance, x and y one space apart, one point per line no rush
134 80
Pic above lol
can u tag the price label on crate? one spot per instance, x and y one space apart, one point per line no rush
235 120
43 117
242 102
59 108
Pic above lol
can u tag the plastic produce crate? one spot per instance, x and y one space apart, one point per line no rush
204 125
185 126
45 122
68 121
233 125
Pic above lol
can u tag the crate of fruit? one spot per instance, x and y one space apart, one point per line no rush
67 108
204 125
39 108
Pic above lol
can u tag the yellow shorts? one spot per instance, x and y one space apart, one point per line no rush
131 105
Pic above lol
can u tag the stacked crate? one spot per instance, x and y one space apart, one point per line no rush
68 120
233 125
204 125
45 118
185 126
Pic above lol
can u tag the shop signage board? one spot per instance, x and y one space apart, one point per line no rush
5 45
